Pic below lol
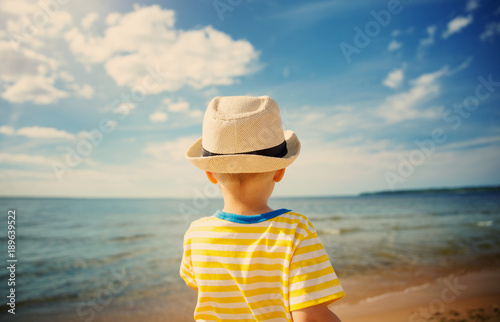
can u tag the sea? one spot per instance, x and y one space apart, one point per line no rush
94 259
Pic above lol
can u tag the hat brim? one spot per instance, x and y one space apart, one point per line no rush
244 163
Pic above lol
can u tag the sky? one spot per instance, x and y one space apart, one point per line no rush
103 98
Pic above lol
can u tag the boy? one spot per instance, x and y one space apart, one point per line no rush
249 262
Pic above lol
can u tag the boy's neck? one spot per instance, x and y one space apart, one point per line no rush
246 207
248 198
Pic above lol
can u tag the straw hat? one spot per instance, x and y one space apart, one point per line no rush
243 134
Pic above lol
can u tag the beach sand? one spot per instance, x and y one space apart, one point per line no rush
473 296
457 297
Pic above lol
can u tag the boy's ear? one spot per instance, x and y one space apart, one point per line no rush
279 175
211 177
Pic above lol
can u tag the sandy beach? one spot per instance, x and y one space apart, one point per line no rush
457 297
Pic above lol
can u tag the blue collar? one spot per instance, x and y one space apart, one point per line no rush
250 219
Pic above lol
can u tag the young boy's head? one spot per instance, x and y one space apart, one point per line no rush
243 144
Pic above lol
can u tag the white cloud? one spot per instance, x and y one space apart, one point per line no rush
180 106
490 31
394 45
403 106
89 20
124 108
19 7
472 5
481 141
146 37
64 75
7 130
37 132
394 79
9 158
456 25
170 150
32 25
57 24
38 89
29 76
113 18
85 90
195 113
399 32
16 65
431 31
158 117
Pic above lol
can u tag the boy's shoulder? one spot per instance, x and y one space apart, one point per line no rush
290 218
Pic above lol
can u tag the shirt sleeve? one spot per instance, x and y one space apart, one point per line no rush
312 279
186 270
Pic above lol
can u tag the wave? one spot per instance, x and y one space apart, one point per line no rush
487 223
132 237
393 294
337 231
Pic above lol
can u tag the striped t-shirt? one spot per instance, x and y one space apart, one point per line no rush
256 268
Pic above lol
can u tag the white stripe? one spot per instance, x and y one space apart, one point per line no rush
242 248
264 224
250 299
310 255
269 309
242 287
219 294
317 267
312 282
254 236
236 273
309 242
238 305
315 295
226 316
237 260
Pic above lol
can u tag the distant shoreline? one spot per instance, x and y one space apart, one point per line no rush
434 190
454 190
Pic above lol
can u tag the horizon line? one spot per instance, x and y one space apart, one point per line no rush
361 194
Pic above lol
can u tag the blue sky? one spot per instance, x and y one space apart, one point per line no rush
101 99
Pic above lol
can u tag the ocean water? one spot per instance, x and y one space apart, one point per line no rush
87 256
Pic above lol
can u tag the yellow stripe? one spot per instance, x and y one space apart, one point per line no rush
219 288
271 315
232 299
225 310
240 242
238 254
246 294
314 288
309 262
243 230
214 277
211 317
309 276
184 272
242 280
271 302
307 249
263 291
290 221
241 267
326 299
